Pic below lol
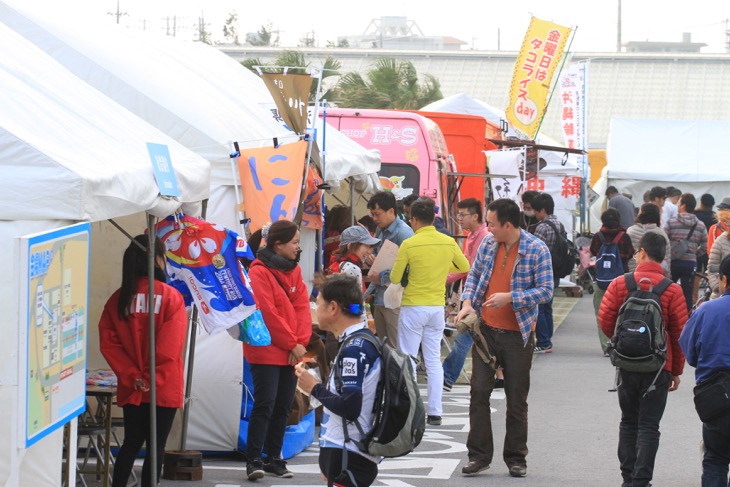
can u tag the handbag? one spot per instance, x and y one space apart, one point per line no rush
681 247
394 293
712 396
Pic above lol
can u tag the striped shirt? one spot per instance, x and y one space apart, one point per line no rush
531 282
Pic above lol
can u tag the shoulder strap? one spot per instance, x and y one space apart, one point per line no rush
691 230
630 281
662 286
618 237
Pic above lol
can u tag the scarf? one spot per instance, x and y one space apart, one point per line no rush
273 260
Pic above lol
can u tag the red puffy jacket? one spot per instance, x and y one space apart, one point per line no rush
284 303
125 345
674 309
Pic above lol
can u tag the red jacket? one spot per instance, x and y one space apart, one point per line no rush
284 302
125 345
674 309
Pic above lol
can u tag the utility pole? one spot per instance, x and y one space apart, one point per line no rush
174 26
618 34
727 36
118 14
499 39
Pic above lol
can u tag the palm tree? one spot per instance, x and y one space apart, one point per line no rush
390 84
295 63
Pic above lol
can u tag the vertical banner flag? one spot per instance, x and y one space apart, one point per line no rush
505 173
291 95
312 211
573 97
271 182
538 58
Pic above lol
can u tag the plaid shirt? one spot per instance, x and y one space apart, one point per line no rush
531 283
545 232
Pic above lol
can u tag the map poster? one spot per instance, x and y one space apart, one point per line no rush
54 283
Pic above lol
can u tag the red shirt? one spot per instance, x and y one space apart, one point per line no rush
125 345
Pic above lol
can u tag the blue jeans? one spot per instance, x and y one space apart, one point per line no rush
544 328
716 436
455 360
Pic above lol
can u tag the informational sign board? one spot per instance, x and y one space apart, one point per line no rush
54 295
164 174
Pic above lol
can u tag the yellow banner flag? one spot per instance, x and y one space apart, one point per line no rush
271 181
540 55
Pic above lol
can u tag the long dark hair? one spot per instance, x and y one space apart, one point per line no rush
134 266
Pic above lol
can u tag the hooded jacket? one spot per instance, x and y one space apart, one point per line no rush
674 310
283 300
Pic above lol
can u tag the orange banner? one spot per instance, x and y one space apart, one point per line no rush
312 212
271 182
540 55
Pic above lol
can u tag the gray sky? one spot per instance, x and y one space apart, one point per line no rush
472 21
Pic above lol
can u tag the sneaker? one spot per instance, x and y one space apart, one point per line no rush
277 468
473 468
518 470
499 383
545 349
255 469
447 387
434 420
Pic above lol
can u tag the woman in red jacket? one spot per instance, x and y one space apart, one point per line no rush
283 299
124 342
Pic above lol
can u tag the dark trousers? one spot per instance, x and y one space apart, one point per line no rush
273 394
544 328
516 360
362 471
136 434
638 439
684 272
716 436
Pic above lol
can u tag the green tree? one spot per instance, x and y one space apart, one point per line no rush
230 28
389 84
260 38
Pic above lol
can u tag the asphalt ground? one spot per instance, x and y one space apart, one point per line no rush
573 434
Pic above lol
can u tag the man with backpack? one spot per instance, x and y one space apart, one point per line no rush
643 314
613 249
551 231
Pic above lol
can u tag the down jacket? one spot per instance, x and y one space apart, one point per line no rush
283 300
674 310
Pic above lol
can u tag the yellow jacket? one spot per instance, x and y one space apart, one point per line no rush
430 255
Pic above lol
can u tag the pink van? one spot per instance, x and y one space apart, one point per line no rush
412 149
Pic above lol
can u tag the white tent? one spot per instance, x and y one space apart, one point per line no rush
643 153
557 168
204 100
67 154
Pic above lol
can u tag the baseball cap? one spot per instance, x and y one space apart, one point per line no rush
357 234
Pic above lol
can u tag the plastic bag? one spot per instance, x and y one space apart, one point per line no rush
252 331
393 296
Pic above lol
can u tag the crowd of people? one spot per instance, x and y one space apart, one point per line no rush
506 273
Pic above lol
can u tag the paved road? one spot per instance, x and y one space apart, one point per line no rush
573 430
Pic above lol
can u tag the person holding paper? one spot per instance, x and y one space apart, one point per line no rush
382 208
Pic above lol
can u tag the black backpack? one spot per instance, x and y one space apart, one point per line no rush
608 261
400 416
564 255
639 342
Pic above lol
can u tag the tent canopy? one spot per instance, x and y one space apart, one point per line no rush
68 152
191 91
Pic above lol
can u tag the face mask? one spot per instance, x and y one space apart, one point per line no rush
529 213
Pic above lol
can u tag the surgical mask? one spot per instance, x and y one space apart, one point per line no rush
529 213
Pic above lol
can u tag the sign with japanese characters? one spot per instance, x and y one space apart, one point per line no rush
271 181
505 168
540 55
162 165
291 95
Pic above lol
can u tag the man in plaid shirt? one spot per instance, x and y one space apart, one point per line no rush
511 275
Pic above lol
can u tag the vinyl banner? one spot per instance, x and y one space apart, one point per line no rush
291 94
271 182
573 83
312 212
538 58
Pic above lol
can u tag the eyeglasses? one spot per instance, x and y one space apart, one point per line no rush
459 216
637 252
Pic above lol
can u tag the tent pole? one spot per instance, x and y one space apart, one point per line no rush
152 446
191 362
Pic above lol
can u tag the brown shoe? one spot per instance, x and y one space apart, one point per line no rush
473 468
518 470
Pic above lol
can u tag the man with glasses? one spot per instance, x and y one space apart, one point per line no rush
469 217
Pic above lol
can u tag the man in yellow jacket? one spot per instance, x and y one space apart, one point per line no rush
429 256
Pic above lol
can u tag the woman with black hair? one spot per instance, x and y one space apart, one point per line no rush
283 299
124 342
